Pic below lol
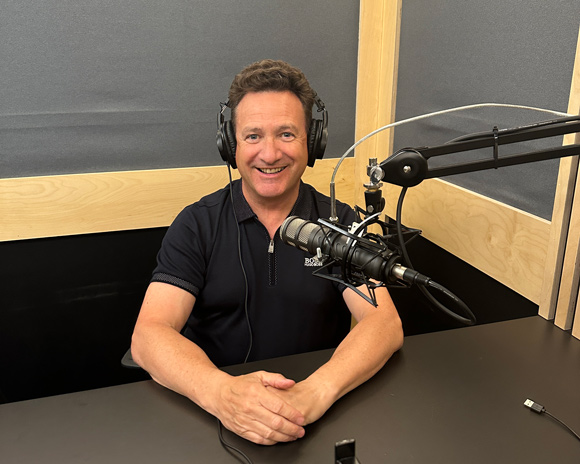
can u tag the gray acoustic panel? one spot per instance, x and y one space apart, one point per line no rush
105 86
455 53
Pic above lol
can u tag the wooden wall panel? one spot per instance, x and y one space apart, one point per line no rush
504 242
75 204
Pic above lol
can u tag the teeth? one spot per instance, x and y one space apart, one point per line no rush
271 170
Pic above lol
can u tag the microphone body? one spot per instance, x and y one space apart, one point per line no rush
359 260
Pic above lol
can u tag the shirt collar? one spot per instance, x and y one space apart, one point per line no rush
301 208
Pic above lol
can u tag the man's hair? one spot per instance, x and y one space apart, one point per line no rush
273 76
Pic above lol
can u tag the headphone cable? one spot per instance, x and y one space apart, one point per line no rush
227 446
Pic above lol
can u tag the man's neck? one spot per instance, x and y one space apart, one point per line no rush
272 212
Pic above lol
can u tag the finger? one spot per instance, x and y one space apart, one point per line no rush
265 418
279 408
276 380
260 440
277 430
255 430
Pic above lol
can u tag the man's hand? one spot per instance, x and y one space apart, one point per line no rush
311 399
248 407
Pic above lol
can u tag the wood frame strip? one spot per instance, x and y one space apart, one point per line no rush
556 287
378 60
576 325
570 272
51 206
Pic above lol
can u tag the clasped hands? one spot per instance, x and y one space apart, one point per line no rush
267 408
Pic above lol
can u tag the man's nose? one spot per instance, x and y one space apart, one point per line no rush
271 151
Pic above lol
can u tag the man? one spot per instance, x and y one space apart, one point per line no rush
206 308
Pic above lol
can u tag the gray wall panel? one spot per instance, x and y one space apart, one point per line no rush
105 86
456 53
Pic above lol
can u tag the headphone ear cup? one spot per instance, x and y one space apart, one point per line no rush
317 136
226 142
231 139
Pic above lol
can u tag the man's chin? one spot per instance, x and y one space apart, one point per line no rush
275 192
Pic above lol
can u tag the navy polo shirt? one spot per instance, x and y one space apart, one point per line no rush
290 311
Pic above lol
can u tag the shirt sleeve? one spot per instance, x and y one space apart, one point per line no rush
181 261
346 216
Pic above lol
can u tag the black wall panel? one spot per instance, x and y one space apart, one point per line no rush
68 306
67 310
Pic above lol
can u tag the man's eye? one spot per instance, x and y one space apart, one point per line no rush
287 135
252 137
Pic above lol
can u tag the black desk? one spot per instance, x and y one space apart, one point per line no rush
447 397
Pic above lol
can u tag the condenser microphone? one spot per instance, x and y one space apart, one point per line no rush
360 259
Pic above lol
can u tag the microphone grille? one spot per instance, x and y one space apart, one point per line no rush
289 228
305 232
297 231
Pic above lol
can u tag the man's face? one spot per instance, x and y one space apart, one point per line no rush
271 152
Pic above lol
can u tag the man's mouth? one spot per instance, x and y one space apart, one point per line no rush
271 170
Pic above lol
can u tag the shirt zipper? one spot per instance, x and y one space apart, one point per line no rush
271 264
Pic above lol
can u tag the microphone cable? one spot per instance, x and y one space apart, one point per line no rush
470 319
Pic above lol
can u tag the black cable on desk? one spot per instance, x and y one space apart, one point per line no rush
539 409
232 449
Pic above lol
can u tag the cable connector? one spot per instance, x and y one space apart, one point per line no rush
409 275
539 409
536 407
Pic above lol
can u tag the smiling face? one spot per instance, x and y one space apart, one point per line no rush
271 151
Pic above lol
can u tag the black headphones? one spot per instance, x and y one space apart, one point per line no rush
317 135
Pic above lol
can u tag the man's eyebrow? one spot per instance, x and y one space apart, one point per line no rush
259 130
292 127
251 130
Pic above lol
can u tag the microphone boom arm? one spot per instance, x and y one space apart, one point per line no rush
409 167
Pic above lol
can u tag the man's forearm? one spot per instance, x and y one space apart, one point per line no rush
362 353
176 363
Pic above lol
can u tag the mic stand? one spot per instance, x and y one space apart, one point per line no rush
374 200
409 167
384 245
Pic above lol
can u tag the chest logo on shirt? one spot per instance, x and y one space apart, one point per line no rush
312 262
